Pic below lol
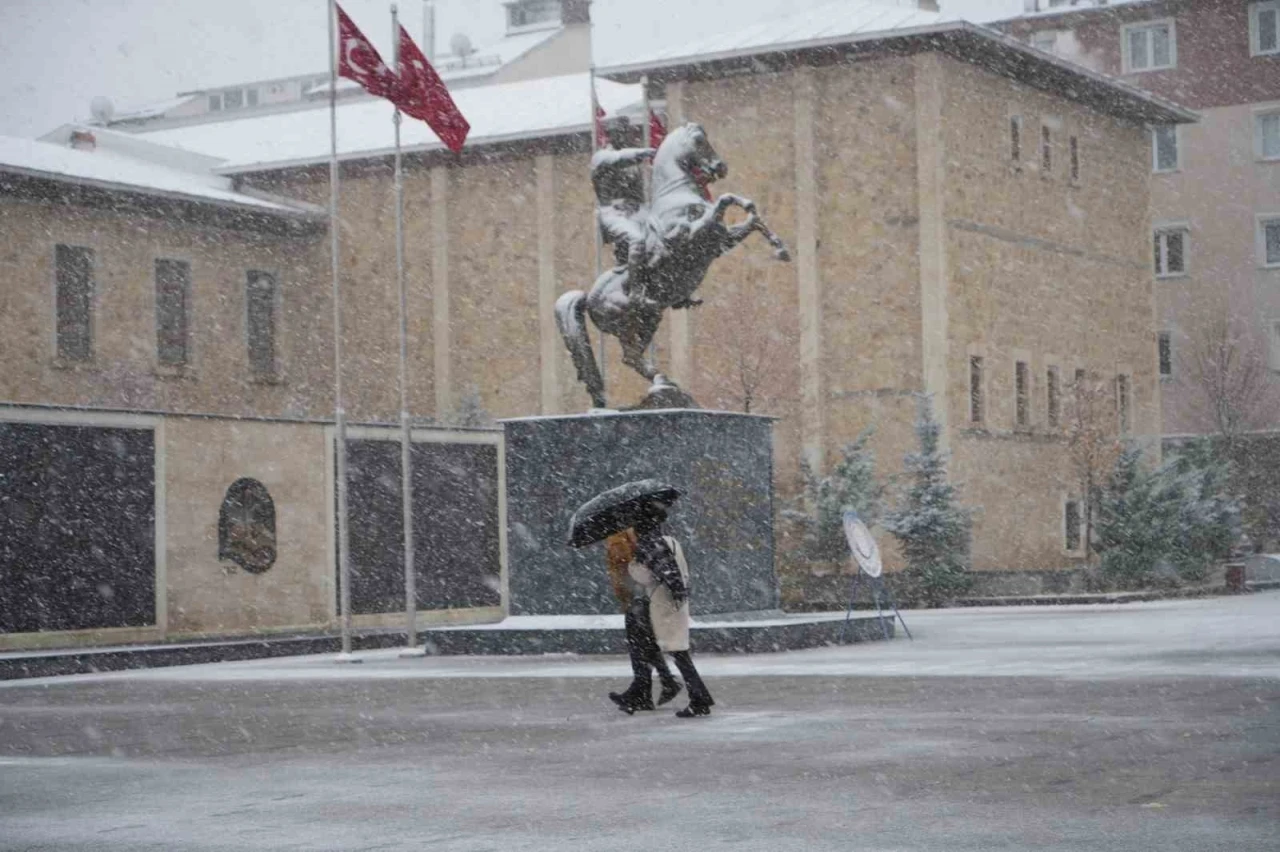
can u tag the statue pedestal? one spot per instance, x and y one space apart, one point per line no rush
723 462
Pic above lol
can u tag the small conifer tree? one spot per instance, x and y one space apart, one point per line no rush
933 529
851 484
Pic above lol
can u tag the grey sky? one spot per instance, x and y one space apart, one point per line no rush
55 55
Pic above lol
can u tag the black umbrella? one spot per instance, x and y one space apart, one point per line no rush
617 509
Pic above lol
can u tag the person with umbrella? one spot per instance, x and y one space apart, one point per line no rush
660 577
642 645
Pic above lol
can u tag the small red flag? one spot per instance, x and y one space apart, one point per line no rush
657 130
358 59
422 94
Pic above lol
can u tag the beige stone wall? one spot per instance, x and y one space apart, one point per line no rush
123 373
202 458
1048 271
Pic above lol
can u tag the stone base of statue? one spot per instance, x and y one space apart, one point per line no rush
722 461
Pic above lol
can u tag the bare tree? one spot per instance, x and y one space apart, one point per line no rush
1093 442
761 357
1230 376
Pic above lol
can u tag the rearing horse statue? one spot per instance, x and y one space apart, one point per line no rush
684 232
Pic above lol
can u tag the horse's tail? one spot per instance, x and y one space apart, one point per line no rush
571 320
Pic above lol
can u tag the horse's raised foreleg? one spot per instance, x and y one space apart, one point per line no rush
754 224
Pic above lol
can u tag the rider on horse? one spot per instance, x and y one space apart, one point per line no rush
622 208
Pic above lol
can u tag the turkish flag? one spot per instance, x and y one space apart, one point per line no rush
358 59
422 94
657 130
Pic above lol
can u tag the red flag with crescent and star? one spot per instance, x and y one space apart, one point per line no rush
422 94
358 59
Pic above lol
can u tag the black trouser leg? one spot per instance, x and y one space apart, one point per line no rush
639 638
699 696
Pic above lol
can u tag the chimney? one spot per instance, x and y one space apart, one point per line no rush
429 30
83 140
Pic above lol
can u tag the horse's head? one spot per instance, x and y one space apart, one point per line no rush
686 150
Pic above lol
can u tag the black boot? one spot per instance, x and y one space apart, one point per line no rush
700 700
670 689
694 710
629 702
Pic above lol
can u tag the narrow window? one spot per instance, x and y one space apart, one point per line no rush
173 286
1054 393
251 97
74 302
1164 148
215 103
1269 235
1046 149
1273 355
1122 401
261 323
1074 144
1015 138
233 98
975 389
1170 246
1079 391
1266 130
1071 525
1264 28
1165 350
1022 393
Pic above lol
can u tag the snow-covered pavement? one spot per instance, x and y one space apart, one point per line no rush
1128 727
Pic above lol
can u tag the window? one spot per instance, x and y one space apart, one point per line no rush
1164 148
1046 149
1264 28
73 270
1149 46
529 13
1071 522
1073 144
1273 353
215 103
1269 241
1164 349
1266 135
1055 397
1170 252
975 389
261 324
173 286
1015 138
251 97
233 99
1045 40
1021 394
247 526
1122 402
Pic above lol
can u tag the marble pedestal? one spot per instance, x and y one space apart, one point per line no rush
722 461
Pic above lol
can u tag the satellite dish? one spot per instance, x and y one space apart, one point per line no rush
461 45
863 545
102 109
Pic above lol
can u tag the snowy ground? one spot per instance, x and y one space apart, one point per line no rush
1126 727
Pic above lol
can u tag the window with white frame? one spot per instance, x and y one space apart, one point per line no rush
1266 134
1269 240
1149 46
1264 28
1164 148
1171 251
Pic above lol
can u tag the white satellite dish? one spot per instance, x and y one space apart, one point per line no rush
461 45
863 545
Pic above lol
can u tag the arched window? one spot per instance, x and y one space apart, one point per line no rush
247 526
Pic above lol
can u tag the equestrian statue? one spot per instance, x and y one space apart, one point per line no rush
662 246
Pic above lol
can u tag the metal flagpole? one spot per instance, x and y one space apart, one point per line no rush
595 216
406 432
340 416
647 171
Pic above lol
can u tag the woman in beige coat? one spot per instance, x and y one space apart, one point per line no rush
620 552
660 575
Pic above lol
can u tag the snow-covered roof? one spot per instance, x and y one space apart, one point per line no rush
529 109
866 24
103 168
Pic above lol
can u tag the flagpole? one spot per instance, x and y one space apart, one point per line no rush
340 415
595 216
646 124
406 432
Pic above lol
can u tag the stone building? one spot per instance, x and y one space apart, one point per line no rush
968 216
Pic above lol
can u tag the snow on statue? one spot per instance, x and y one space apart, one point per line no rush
663 247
